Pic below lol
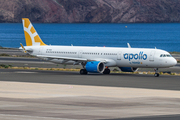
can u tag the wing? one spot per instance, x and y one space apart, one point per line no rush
107 62
64 58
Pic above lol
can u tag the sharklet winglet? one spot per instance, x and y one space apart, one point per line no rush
128 45
23 48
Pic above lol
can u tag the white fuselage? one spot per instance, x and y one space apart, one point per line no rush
111 56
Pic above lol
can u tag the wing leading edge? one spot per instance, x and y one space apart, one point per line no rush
65 58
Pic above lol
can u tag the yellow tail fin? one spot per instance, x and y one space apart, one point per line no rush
31 36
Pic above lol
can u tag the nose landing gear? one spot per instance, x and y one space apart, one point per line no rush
156 72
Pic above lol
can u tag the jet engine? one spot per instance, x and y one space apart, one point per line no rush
128 69
95 67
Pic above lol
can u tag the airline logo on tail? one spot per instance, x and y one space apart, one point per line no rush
31 36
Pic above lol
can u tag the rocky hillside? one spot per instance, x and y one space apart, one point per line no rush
90 11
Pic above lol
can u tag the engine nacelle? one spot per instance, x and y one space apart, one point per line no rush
95 67
128 69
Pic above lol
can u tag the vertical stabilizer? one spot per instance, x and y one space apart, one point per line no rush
31 36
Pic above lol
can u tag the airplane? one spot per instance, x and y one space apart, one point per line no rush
95 59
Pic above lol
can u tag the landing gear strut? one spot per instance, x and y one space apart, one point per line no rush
83 72
107 71
156 72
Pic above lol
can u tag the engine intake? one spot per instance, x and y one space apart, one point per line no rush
128 69
95 67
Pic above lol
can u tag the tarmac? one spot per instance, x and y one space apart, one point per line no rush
164 82
54 95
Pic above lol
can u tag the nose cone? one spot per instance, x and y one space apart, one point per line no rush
173 62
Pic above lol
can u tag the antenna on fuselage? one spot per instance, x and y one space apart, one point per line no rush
155 48
128 45
71 44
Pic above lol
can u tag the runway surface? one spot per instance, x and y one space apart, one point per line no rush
137 97
27 100
164 82
54 95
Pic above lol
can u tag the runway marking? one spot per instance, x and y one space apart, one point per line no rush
24 72
5 72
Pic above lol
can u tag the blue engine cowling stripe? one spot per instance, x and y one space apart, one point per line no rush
93 67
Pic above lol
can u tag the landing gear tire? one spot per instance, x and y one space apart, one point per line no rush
156 72
83 71
156 75
106 71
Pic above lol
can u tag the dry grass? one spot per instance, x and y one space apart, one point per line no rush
71 69
51 69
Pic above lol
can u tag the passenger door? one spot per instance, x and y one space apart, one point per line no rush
119 55
40 50
80 54
151 57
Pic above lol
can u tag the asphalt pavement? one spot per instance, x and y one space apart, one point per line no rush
69 95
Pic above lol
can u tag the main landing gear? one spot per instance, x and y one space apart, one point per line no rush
156 72
107 71
83 72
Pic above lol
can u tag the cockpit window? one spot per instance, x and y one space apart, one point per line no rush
165 55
